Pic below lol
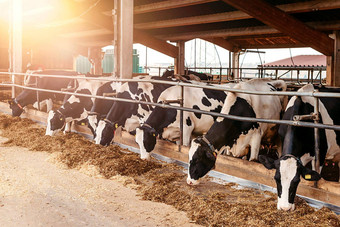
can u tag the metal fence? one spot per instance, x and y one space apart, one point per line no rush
297 121
298 74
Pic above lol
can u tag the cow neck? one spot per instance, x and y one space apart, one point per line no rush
211 147
18 104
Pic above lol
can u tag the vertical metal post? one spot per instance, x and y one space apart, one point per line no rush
220 75
181 119
38 97
311 73
276 73
316 138
159 71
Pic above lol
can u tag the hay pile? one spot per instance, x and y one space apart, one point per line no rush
207 204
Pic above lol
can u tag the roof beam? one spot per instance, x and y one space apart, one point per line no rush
138 36
170 4
154 43
223 43
285 23
299 7
246 31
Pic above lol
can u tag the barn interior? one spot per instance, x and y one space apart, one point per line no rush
54 32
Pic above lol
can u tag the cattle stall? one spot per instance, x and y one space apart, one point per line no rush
324 191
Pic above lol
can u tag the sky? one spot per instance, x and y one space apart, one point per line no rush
215 54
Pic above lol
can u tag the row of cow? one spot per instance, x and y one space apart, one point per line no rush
219 134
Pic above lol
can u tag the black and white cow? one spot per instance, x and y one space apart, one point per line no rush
165 122
76 107
126 114
101 106
27 97
237 136
298 145
189 75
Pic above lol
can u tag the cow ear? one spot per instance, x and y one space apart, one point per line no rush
268 162
310 175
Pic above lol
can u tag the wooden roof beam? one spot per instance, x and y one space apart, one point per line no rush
170 4
155 43
223 43
138 36
246 31
286 24
239 15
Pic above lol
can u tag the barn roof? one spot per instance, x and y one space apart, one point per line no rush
232 24
299 61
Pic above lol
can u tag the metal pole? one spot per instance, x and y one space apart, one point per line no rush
181 119
316 137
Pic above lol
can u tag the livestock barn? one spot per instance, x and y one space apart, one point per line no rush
185 148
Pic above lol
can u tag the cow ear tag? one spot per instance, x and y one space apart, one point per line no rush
82 123
308 176
153 134
116 125
61 119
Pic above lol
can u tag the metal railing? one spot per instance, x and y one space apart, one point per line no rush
298 74
295 122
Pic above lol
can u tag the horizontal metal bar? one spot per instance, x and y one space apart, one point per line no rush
232 117
211 87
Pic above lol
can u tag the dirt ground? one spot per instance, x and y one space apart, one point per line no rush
36 191
66 180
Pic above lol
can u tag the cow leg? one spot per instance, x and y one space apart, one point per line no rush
255 144
187 131
49 105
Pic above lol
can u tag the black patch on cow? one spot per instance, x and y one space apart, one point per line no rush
217 95
188 121
161 118
228 131
218 109
206 102
300 140
133 87
202 161
198 115
273 88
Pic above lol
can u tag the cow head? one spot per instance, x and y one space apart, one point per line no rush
287 176
55 122
146 139
105 132
202 158
17 109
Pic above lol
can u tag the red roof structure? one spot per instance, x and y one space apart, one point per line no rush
299 61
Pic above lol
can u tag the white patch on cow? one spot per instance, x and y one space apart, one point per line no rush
194 147
139 139
50 132
99 131
67 127
288 170
131 124
306 158
92 121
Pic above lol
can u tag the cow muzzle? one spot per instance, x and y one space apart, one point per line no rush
286 207
192 181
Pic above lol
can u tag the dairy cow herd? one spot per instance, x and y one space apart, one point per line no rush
216 134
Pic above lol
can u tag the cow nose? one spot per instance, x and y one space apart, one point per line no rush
287 208
191 181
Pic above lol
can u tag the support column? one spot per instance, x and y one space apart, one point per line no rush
95 58
333 63
336 61
15 40
235 64
179 61
123 38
